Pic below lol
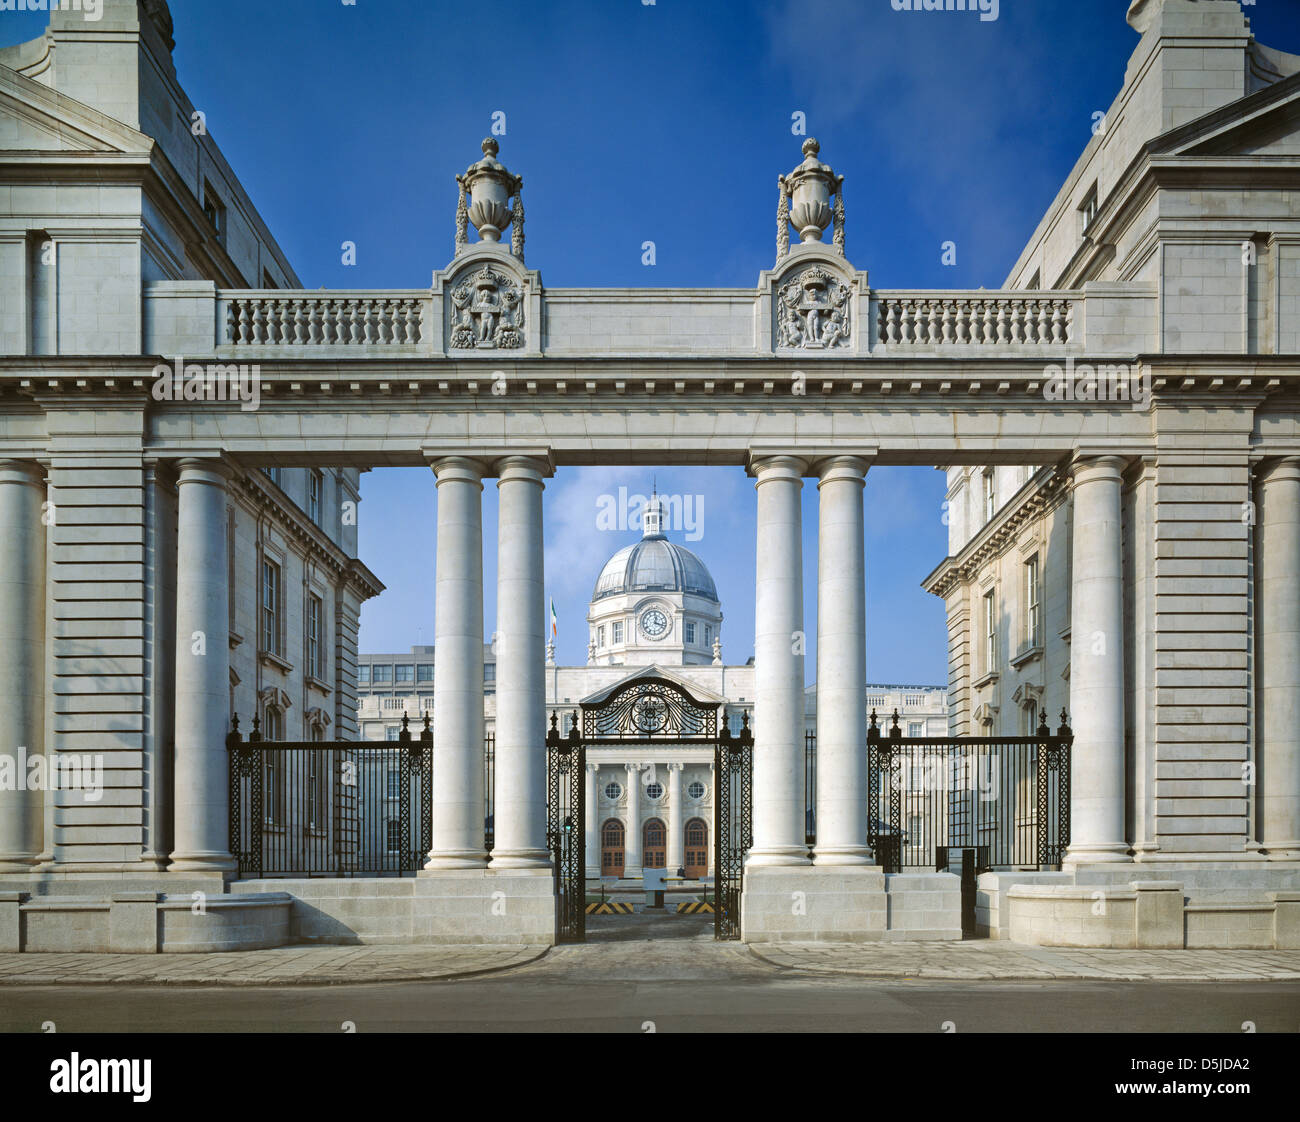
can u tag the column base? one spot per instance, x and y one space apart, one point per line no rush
18 862
520 859
843 855
809 904
203 863
1113 852
456 859
777 856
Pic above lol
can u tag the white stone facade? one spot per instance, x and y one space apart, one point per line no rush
1163 517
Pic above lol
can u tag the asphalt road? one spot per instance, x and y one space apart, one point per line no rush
623 982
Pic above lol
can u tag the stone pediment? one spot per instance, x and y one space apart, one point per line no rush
34 118
1266 123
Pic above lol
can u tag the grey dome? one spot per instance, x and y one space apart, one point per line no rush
654 564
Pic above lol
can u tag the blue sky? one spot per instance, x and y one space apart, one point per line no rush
666 122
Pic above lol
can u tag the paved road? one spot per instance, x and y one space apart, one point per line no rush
622 981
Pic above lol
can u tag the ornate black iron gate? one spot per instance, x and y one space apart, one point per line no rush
566 829
733 825
648 709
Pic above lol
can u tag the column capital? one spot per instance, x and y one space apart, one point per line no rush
848 469
215 470
528 469
593 768
29 472
766 468
1284 468
459 469
676 765
1088 469
633 769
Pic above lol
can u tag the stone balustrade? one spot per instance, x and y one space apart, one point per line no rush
255 318
938 320
1110 319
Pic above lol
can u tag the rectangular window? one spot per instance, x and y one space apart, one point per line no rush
270 607
214 211
405 673
690 633
1033 610
915 728
990 632
394 835
1088 211
273 474
394 787
315 646
315 791
489 672
990 496
424 672
708 635
363 674
392 732
1031 718
41 297
600 636
315 485
616 629
382 675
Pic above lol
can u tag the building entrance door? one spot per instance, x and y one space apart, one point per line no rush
611 848
654 845
697 848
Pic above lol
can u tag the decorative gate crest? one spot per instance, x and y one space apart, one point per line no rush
650 709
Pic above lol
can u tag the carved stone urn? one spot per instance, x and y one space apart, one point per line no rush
810 187
490 188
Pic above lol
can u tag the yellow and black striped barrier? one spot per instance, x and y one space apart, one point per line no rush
694 906
609 908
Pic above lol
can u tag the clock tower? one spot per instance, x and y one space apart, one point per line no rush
654 603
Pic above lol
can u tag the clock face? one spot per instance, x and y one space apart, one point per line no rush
654 623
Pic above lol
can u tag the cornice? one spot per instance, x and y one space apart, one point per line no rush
1044 492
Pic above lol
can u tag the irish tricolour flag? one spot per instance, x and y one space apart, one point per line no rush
554 633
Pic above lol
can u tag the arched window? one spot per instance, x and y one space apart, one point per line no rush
654 845
697 848
611 848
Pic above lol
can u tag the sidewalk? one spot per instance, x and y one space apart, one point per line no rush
280 966
985 960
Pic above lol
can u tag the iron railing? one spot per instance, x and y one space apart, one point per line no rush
337 808
1005 798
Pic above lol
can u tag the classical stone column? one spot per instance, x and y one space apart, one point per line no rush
841 666
779 642
1097 665
201 770
22 658
591 818
676 822
632 844
1278 630
520 803
458 802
